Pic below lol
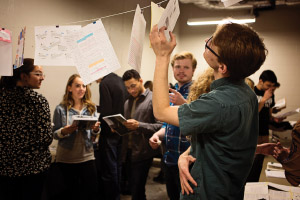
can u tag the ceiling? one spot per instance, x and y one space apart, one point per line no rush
256 5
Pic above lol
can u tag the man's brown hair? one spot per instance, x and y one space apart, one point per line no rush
240 49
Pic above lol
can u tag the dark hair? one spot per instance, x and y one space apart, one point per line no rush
240 49
129 74
11 81
149 84
268 75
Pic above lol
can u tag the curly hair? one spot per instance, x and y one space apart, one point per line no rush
68 101
201 85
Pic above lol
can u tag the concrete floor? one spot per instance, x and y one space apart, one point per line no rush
154 190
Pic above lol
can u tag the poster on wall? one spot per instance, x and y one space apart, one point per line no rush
6 56
137 40
51 47
93 52
20 49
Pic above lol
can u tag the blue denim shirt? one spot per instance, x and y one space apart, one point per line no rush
60 120
176 144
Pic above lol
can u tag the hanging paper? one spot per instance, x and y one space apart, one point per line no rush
6 55
51 47
93 53
156 13
137 40
20 49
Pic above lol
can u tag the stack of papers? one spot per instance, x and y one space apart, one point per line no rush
274 170
280 104
271 191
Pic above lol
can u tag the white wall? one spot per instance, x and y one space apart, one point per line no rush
280 28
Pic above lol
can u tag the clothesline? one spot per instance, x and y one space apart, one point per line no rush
121 13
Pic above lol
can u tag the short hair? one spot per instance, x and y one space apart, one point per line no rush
129 74
240 49
149 84
184 55
268 75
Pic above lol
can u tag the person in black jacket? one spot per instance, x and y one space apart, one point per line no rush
108 156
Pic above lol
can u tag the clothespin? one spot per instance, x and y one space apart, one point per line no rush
94 22
142 10
57 26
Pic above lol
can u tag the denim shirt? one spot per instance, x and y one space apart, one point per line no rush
60 120
176 144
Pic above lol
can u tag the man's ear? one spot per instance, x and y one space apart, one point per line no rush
223 69
141 81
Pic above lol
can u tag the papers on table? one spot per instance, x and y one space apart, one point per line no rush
6 57
228 3
293 112
93 53
274 170
270 191
20 49
137 40
51 47
169 17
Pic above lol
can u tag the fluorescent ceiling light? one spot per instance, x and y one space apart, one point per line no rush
200 22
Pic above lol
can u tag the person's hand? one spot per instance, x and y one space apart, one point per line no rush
131 124
154 141
176 98
160 45
184 173
96 127
266 148
67 130
278 119
281 153
268 94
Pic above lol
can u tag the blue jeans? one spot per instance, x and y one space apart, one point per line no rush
138 179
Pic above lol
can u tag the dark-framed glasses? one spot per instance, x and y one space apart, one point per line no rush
206 46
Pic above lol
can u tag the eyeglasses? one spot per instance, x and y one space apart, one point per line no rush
41 75
206 46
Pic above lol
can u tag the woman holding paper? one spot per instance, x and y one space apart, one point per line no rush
25 134
75 154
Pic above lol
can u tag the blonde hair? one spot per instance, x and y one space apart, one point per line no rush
249 82
201 85
68 101
184 55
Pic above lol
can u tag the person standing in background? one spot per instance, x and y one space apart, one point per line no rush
108 156
75 154
25 134
183 65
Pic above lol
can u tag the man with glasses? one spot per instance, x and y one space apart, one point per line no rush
224 122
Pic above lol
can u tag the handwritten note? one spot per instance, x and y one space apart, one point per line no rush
51 47
137 40
92 51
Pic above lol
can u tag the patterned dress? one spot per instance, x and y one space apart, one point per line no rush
25 132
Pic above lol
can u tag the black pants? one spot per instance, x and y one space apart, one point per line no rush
80 181
22 188
138 179
172 182
256 168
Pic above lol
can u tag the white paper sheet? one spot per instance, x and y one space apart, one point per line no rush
6 56
293 112
156 13
50 45
275 174
169 17
93 53
228 3
137 40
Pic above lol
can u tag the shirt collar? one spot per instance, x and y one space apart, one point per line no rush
186 85
223 81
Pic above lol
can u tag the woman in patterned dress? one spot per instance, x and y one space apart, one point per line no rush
25 134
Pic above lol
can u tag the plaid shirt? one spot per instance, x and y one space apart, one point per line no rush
175 143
